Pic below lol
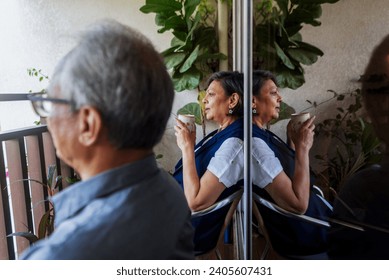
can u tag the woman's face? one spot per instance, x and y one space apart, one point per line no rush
216 103
267 102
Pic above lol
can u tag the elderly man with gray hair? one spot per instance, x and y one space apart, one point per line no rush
107 106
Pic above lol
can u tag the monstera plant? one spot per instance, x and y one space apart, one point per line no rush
278 45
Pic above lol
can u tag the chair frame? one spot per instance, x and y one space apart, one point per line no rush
272 206
233 200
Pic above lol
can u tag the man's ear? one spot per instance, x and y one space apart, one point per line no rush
90 125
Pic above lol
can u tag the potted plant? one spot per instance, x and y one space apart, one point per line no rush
352 142
51 185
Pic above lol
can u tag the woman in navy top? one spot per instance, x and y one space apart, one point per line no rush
281 174
213 169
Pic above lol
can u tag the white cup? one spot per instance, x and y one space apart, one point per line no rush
298 119
189 121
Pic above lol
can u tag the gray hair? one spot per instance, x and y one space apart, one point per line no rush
117 70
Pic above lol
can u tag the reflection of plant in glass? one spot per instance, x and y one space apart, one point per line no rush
353 141
46 223
278 44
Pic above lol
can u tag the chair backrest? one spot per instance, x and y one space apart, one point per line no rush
265 205
210 223
282 211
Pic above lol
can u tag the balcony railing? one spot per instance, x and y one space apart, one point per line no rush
25 157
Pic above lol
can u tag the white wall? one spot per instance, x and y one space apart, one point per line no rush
37 33
350 29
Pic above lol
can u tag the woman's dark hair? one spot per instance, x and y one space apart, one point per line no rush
259 79
231 81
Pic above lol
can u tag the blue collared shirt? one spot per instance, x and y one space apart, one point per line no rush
136 211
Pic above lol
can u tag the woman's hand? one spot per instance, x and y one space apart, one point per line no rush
303 137
185 137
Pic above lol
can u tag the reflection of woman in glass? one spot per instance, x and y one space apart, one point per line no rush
282 174
212 169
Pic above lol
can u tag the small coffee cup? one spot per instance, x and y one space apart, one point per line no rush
298 119
188 120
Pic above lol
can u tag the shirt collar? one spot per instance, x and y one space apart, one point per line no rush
70 200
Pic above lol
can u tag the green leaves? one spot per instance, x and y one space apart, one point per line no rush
46 223
190 7
194 50
188 80
160 6
295 2
28 235
284 58
287 78
192 108
174 59
190 60
278 45
353 138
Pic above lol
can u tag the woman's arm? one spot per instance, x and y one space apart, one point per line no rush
199 192
293 193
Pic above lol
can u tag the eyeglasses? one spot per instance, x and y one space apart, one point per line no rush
43 105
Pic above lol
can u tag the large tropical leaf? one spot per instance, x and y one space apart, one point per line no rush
206 37
305 14
284 58
160 6
283 5
176 23
193 26
302 55
310 48
173 60
190 60
287 78
160 18
191 108
296 2
186 81
189 8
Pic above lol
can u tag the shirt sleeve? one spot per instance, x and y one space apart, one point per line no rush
227 163
265 165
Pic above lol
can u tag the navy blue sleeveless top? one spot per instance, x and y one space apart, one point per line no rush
207 228
290 236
